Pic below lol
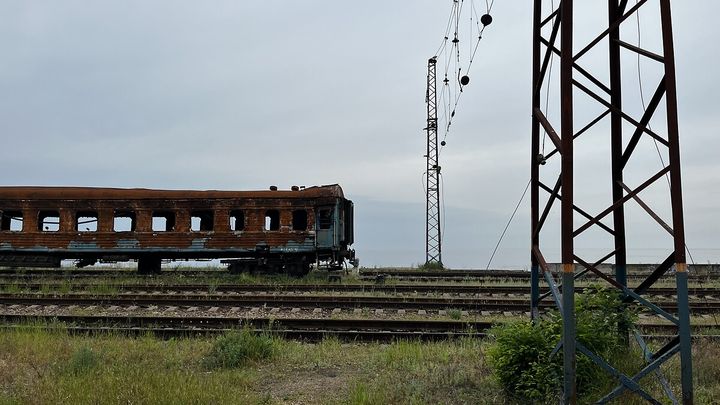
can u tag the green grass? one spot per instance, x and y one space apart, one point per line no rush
431 266
12 288
238 348
49 366
454 313
103 289
84 360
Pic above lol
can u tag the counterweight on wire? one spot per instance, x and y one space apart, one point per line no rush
455 70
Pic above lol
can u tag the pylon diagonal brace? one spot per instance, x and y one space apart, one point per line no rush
562 134
625 381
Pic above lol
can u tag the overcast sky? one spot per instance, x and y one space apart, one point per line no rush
244 95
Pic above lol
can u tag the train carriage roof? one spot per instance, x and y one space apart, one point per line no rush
97 193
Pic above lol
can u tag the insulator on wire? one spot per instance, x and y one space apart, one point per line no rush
486 19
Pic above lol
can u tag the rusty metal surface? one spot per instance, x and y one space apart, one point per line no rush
181 241
98 193
601 86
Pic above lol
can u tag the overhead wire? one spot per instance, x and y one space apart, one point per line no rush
644 107
454 96
547 98
642 95
443 43
522 197
450 94
442 207
657 148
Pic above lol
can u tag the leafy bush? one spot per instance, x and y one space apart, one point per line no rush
521 361
432 266
237 348
83 360
522 355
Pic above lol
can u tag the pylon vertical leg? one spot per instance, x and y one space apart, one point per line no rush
535 165
566 209
676 200
616 142
535 292
681 278
615 11
569 353
590 83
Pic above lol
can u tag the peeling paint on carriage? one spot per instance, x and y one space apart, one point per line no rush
92 224
127 244
198 243
83 245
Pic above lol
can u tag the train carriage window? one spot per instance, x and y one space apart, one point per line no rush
325 218
299 220
201 220
49 221
11 221
86 221
124 221
272 220
237 220
163 221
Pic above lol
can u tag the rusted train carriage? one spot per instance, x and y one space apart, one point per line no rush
280 230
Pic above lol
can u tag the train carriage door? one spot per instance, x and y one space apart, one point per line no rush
324 229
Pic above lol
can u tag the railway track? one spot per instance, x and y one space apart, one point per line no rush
278 307
464 275
322 288
309 301
299 328
363 274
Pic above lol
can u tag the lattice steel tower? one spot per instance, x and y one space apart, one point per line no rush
433 240
617 139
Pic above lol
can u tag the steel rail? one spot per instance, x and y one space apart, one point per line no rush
307 301
299 328
282 301
367 288
454 275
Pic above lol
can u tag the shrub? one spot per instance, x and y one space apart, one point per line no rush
454 313
521 361
522 355
83 360
237 348
432 266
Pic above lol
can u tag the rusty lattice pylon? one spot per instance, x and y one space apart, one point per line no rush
554 35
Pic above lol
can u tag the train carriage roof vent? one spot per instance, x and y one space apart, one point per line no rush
273 188
295 188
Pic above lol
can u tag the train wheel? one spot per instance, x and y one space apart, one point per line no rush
251 267
235 268
149 265
297 269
